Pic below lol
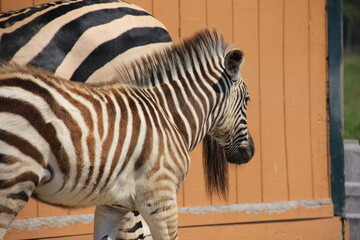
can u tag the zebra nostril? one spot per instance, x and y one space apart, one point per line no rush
244 155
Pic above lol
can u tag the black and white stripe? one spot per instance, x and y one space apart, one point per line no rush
121 147
81 40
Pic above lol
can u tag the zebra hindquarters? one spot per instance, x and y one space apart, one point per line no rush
18 179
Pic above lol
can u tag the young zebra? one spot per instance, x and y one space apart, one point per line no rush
121 147
81 40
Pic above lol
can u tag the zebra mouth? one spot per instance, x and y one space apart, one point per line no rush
243 154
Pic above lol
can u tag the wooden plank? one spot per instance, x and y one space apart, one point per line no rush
253 213
46 210
145 4
65 230
194 185
192 17
319 229
81 210
29 211
75 237
15 4
219 17
346 227
167 11
193 216
180 197
297 96
246 37
273 152
318 90
37 2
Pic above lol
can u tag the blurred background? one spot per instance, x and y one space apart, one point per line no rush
352 69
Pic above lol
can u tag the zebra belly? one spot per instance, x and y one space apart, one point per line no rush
117 194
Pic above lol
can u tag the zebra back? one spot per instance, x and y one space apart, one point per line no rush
80 40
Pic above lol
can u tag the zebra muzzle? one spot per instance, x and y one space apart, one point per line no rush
243 154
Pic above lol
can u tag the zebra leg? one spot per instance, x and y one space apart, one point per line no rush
16 186
133 227
161 215
107 222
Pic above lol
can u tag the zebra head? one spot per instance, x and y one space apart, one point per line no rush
230 130
229 138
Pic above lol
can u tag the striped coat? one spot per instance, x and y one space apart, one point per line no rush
122 147
81 40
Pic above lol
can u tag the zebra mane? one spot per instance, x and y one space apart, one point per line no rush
167 63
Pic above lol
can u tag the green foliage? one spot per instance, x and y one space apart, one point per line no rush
352 96
351 11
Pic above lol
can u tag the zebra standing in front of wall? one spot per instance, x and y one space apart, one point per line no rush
84 41
119 146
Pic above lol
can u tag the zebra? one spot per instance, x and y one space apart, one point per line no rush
80 40
84 41
120 145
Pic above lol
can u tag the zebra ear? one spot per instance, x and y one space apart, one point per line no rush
233 61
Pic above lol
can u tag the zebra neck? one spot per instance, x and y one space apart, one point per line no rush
188 106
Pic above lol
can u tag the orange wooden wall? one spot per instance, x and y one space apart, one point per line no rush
285 49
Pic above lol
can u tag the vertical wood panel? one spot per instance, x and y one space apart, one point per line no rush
145 4
318 89
37 2
297 96
167 11
219 17
15 4
192 17
273 154
194 190
246 37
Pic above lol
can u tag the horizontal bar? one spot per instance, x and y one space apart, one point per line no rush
252 209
